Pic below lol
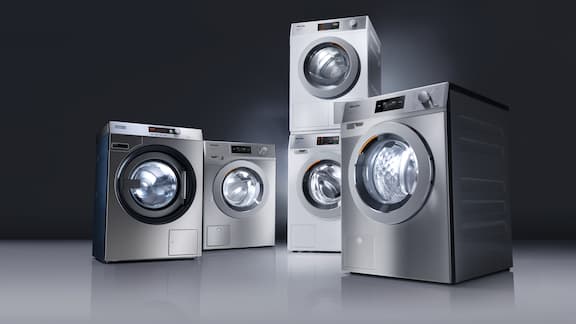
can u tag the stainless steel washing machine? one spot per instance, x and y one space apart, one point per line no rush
335 59
148 193
240 200
425 185
314 192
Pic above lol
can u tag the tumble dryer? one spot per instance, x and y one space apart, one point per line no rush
314 192
336 59
425 185
148 193
240 199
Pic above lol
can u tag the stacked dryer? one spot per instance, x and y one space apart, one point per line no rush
330 60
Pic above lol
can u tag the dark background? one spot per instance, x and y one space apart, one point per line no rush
65 69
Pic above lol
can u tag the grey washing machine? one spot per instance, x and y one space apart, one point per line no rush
426 194
240 195
148 193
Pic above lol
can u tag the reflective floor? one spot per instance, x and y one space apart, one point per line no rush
42 281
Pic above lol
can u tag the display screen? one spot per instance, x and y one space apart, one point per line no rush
329 26
241 149
390 104
327 140
162 130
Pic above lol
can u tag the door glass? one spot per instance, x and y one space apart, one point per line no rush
389 171
327 66
242 189
322 184
158 185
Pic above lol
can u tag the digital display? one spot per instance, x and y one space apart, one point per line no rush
327 140
390 104
329 26
161 130
241 149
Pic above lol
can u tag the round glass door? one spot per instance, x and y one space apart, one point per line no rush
156 185
321 184
327 66
242 189
387 173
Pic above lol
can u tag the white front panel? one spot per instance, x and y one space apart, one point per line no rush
310 228
308 112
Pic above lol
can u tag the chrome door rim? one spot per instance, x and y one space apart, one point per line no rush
218 194
422 190
348 82
328 214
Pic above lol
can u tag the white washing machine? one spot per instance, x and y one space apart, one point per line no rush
240 200
425 185
148 193
314 192
335 59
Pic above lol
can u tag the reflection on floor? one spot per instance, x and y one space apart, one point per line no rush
47 280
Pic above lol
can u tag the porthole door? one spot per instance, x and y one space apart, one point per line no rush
156 184
391 173
329 67
240 189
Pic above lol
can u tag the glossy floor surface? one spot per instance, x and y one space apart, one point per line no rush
58 281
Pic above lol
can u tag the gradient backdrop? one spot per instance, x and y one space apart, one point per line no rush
67 69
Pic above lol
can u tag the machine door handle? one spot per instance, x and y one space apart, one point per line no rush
183 178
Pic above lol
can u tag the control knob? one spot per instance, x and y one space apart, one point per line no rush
426 99
353 23
262 150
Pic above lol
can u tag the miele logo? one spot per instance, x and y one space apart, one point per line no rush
120 126
352 106
299 138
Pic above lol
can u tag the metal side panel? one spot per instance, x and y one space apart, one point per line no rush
374 64
100 199
480 186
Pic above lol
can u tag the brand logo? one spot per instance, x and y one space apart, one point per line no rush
120 126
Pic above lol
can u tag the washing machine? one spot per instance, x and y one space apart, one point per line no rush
426 191
335 59
148 193
314 192
240 200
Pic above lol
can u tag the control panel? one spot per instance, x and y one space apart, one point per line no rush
390 104
126 128
408 101
163 130
327 140
351 23
309 141
215 150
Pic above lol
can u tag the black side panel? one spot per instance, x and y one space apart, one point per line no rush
99 225
480 186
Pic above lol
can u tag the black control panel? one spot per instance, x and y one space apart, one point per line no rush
241 149
327 140
162 130
390 104
329 26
